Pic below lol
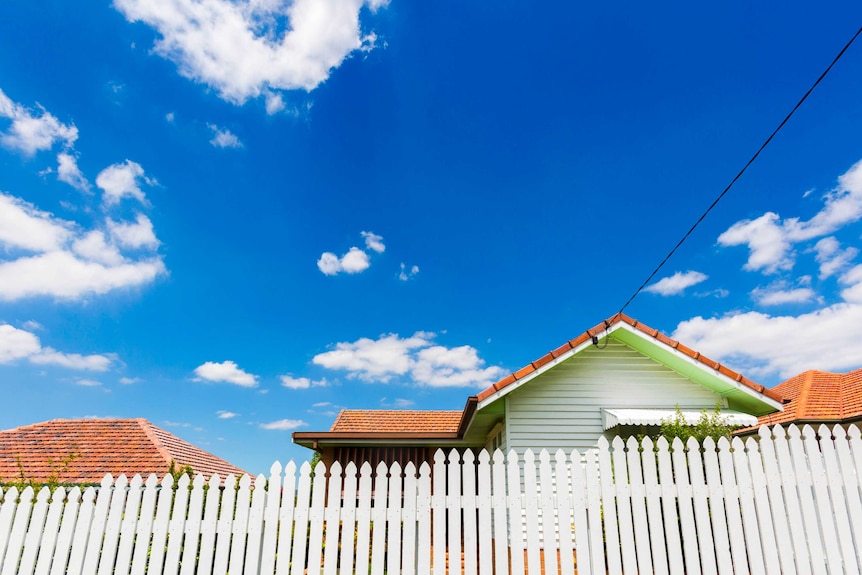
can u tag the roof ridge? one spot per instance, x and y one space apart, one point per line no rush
147 427
804 392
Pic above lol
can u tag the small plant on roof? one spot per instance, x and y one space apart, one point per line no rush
177 471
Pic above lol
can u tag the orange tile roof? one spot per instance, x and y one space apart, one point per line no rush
397 421
819 396
115 446
654 333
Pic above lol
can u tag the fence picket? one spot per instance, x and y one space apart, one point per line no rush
766 528
516 519
837 497
300 521
501 519
393 520
438 511
315 520
19 529
485 521
285 519
717 508
378 518
34 532
223 525
548 508
79 537
177 526
269 539
48 543
363 519
209 525
239 527
144 528
564 513
624 507
609 508
851 488
809 530
68 523
690 530
453 509
668 490
469 510
638 503
7 514
254 532
819 483
732 506
745 492
332 520
112 525
653 495
192 533
348 519
408 560
129 526
531 513
423 520
579 515
780 504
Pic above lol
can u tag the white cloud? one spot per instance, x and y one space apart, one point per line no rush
169 117
88 382
226 372
373 242
239 49
129 380
68 172
224 138
831 257
283 424
63 275
32 325
770 240
22 225
353 262
321 404
68 262
123 180
427 364
291 382
18 344
30 133
397 403
274 103
405 275
222 414
677 283
777 295
137 235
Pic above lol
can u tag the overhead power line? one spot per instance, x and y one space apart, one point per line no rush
742 171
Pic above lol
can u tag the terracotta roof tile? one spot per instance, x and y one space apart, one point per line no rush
396 421
654 333
115 446
819 396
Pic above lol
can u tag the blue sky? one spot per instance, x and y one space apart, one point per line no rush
234 219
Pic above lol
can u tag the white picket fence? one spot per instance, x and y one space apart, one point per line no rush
783 504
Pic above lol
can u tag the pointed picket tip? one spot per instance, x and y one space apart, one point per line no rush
454 457
320 469
529 457
723 444
183 482
381 470
215 481
74 494
335 469
646 443
89 495
560 457
693 446
395 469
410 469
544 457
824 432
677 444
708 444
439 457
58 495
424 469
603 443
167 481
350 470
290 468
484 456
661 443
199 481
575 456
752 445
469 457
11 494
107 481
244 481
512 458
121 481
808 431
27 494
617 443
853 431
632 443
793 431
305 468
765 432
499 458
365 469
136 481
43 494
736 443
275 468
838 432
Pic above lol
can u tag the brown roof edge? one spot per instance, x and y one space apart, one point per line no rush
467 416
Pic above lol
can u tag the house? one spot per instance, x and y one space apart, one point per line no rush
818 397
620 377
82 451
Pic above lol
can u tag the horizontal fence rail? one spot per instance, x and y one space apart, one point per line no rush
786 501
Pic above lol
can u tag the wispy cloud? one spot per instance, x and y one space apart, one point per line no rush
283 424
123 180
373 242
353 262
224 138
291 382
19 344
407 274
225 372
677 283
223 414
32 131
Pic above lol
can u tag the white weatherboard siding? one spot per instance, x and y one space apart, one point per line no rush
561 408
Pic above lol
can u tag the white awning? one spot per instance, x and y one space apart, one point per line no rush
624 416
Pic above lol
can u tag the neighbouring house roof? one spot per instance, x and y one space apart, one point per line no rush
397 421
480 415
115 446
819 397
